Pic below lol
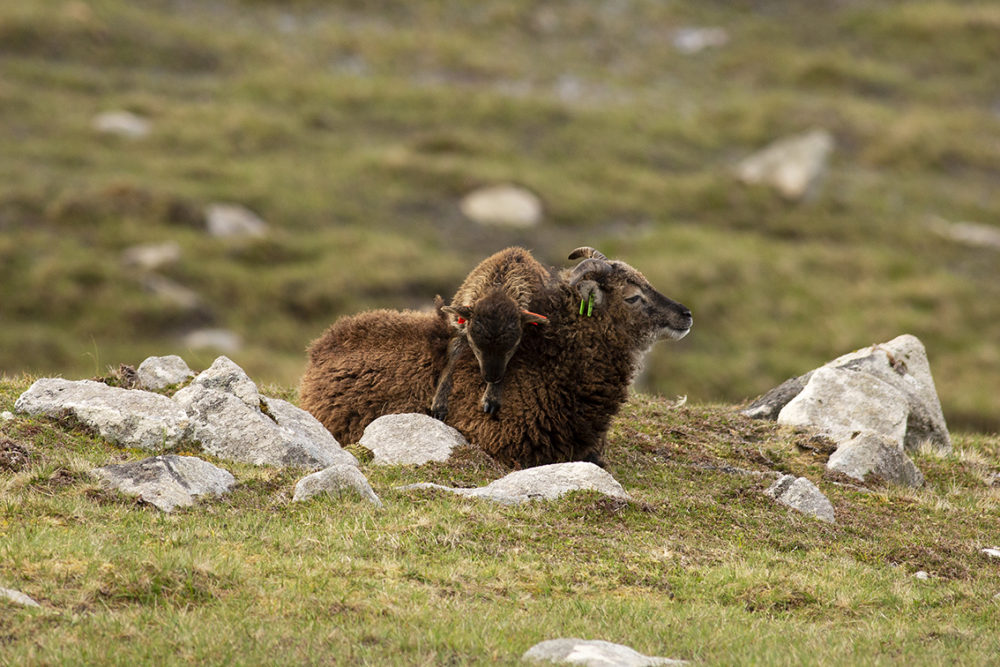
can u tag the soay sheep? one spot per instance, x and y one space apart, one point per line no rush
489 313
561 389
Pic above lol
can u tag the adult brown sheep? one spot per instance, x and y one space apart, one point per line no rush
561 389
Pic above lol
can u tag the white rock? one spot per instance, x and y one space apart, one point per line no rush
792 165
17 597
152 256
840 402
923 576
869 453
802 495
505 205
546 482
222 340
693 40
335 482
123 124
6 415
167 481
992 553
170 292
974 234
161 372
233 220
126 417
591 653
225 375
410 439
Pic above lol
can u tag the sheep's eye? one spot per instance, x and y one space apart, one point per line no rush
633 299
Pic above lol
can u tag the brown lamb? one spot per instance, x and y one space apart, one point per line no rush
490 312
561 389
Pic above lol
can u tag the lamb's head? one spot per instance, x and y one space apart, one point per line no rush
624 297
493 325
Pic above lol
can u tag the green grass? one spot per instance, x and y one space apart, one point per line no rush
700 565
355 128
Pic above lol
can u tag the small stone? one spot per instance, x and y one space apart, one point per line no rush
222 340
167 481
503 205
170 292
972 234
17 597
993 552
591 653
152 256
923 576
233 221
335 482
802 495
410 439
793 166
692 40
6 415
161 372
123 124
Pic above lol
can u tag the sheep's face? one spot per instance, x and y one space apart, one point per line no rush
493 326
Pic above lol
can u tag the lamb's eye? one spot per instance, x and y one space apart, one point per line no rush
633 299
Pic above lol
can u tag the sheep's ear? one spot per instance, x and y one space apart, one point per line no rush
460 313
528 317
588 289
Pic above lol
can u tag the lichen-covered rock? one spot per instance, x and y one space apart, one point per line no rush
802 495
224 375
546 482
125 417
592 653
410 439
161 372
167 481
335 482
870 453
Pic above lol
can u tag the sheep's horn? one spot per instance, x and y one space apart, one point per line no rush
587 267
587 251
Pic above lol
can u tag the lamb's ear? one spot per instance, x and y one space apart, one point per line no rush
528 317
588 289
462 313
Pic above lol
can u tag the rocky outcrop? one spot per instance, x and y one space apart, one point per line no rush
166 482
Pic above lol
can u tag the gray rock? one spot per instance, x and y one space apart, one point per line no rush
592 653
233 221
125 417
171 292
410 439
923 576
793 165
222 340
301 426
6 415
123 124
993 552
546 482
770 404
973 234
336 481
161 372
17 597
694 40
839 403
227 427
224 375
504 205
152 256
868 453
802 495
167 481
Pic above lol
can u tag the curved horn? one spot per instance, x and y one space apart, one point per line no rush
587 267
587 251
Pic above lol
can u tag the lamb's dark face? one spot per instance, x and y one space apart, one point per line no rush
494 332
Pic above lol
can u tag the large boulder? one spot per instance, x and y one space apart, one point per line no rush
873 454
125 417
546 482
410 439
167 481
591 653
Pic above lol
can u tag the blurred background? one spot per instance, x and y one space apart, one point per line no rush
198 177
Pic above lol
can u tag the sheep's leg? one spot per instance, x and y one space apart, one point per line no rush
439 406
491 399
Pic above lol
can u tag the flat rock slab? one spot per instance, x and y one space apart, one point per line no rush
546 482
167 481
17 597
125 417
410 439
802 495
870 453
336 482
161 372
591 653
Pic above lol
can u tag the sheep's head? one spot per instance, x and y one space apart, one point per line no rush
493 325
619 292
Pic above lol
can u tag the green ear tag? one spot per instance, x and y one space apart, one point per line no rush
590 304
582 302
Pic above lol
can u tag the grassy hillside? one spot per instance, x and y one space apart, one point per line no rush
701 565
354 129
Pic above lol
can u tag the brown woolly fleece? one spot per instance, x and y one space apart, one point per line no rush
561 389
